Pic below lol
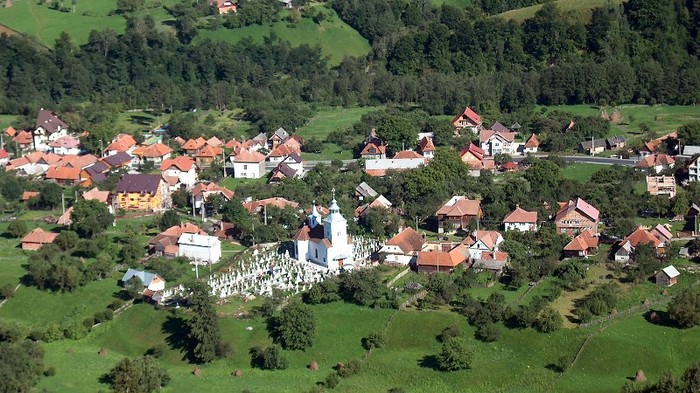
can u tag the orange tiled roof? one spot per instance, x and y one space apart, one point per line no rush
214 142
426 144
23 138
406 154
249 156
27 195
532 141
462 207
641 236
378 149
182 163
202 188
63 173
152 151
209 151
521 215
407 240
194 144
95 193
122 142
40 236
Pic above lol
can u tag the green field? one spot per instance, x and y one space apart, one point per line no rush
580 171
335 37
340 329
583 7
455 3
659 118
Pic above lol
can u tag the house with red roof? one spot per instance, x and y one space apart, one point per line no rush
155 153
403 248
122 143
475 157
202 191
64 176
441 261
248 164
215 142
655 162
4 157
531 145
24 140
10 131
258 206
520 220
493 262
373 151
493 142
379 203
479 242
280 153
166 243
576 216
225 6
291 167
656 239
426 147
582 245
403 160
183 168
467 120
36 239
279 137
207 155
457 213
192 146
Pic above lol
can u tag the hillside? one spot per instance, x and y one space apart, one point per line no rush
582 6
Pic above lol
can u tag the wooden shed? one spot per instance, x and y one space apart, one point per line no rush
667 276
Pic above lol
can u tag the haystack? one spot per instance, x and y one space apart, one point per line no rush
640 378
313 366
616 117
197 372
103 352
613 312
604 115
237 373
8 3
647 302
654 317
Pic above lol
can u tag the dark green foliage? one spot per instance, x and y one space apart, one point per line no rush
21 365
139 375
204 332
351 368
7 291
598 302
169 219
270 358
488 332
571 273
668 383
374 340
49 197
17 229
181 199
450 331
331 381
90 217
170 269
326 291
454 355
51 269
684 308
312 145
295 328
134 287
361 286
67 240
549 320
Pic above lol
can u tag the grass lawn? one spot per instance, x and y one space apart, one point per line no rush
336 39
581 172
625 346
583 7
32 307
6 121
676 226
340 329
659 118
27 16
328 119
233 183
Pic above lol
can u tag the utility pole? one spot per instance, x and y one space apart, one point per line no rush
63 203
592 146
193 206
265 213
223 161
102 150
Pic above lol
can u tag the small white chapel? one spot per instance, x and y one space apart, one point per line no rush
324 241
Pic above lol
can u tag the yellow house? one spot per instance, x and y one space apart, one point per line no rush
141 192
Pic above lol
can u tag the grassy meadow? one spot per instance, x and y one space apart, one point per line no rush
659 118
582 7
336 38
581 171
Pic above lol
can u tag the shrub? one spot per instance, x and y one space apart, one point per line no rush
89 322
332 380
374 340
449 332
53 332
684 308
353 367
455 354
488 332
74 331
108 314
7 291
116 304
223 350
156 351
549 320
269 358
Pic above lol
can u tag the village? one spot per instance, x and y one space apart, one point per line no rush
205 220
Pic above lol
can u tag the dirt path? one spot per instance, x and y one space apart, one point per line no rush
398 276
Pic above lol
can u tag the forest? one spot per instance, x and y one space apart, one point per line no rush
437 58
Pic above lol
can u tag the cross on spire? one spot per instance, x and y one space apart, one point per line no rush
333 192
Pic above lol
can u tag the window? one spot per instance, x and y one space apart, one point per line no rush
245 167
317 254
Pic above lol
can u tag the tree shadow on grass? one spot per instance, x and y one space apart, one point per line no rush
658 317
429 361
178 336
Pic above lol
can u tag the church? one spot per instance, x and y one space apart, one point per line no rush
324 241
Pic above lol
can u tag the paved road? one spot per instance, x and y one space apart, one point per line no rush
580 159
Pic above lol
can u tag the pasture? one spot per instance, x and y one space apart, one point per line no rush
582 7
581 171
335 38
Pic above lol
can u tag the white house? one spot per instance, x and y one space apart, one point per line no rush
483 241
199 248
248 164
150 281
403 160
531 145
66 145
520 220
493 142
694 170
49 127
325 243
183 168
202 191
